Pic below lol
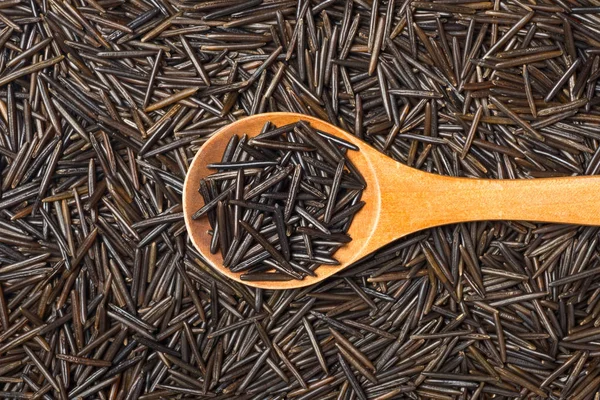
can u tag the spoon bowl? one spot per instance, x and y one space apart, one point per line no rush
399 200
361 229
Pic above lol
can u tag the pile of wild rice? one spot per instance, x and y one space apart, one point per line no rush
280 204
105 102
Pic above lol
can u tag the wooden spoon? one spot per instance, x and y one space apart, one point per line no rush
400 200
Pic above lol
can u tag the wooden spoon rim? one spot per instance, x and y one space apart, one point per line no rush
361 230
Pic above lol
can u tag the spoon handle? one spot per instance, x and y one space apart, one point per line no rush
420 200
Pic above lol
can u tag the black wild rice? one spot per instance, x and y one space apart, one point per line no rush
103 104
292 195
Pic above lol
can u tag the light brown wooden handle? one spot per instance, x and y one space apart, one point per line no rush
424 200
570 200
